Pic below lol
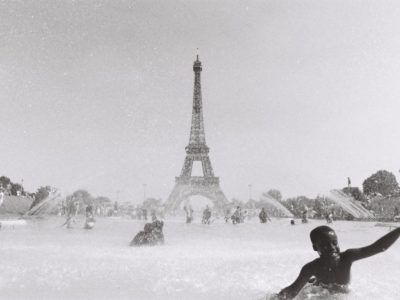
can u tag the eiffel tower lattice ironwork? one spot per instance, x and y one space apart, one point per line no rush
187 185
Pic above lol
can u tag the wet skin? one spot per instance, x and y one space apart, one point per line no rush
332 269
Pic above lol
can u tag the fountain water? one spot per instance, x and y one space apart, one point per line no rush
270 200
349 204
47 205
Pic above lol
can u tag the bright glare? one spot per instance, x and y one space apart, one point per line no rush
42 260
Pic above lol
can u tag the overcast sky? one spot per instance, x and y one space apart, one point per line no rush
297 95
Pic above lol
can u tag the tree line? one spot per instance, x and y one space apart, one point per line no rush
380 184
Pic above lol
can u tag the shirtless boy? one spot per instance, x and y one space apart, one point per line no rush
332 269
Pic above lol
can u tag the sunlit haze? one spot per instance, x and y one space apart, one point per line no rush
297 95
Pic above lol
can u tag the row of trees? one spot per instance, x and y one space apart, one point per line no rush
83 197
380 184
380 194
383 183
11 187
43 192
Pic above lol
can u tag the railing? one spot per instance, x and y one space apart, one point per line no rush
198 180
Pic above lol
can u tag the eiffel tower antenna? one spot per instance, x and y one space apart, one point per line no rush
187 185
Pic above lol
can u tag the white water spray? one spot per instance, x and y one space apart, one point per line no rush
270 200
47 205
349 204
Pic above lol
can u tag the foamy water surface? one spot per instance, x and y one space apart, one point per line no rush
43 260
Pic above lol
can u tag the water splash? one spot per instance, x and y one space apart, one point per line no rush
47 205
349 204
270 200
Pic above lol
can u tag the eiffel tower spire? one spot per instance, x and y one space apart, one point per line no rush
197 135
197 149
187 185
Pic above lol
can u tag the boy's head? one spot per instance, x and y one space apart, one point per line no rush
148 227
324 241
158 224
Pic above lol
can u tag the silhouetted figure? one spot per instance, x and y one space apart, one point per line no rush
189 214
329 218
157 232
89 222
227 215
237 216
1 197
89 210
263 216
396 216
145 214
116 208
71 211
304 219
206 216
151 235
332 269
143 237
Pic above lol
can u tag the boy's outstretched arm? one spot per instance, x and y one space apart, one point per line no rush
379 246
292 290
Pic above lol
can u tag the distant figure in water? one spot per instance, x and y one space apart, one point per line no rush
263 216
206 216
331 270
71 211
292 222
237 216
329 218
304 219
227 215
89 223
189 214
396 216
1 197
158 235
150 236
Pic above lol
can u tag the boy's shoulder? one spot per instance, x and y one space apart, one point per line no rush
312 265
315 261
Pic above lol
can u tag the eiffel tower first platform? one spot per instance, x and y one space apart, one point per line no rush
187 185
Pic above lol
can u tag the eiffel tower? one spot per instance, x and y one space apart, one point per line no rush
187 185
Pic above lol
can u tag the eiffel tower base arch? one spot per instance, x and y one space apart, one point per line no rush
196 186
